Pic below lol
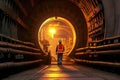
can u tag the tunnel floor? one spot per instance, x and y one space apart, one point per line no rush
63 72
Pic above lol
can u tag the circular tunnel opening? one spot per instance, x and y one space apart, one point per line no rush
54 29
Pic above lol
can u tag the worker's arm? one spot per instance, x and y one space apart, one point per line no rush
56 49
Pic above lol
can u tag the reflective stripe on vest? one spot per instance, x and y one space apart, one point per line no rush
60 48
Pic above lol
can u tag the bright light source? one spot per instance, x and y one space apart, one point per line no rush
52 31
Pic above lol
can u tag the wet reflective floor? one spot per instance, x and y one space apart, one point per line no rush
63 72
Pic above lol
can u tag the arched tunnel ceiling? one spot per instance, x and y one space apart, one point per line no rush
37 11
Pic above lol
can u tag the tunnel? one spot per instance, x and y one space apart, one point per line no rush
46 9
31 29
56 9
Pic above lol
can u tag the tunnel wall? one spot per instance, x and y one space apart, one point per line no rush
8 26
23 34
10 22
111 23
112 17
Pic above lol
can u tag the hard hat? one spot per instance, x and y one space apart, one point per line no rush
60 41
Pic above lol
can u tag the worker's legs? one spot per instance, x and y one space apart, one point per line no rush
60 55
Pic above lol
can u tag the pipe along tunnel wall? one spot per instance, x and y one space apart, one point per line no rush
16 56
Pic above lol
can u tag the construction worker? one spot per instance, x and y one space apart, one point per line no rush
59 52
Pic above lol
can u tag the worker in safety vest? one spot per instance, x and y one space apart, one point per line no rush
59 52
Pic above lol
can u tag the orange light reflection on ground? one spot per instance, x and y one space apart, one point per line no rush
57 75
55 72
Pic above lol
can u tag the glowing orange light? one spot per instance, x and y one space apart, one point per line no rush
53 28
52 31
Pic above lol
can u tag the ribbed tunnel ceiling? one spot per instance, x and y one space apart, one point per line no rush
37 11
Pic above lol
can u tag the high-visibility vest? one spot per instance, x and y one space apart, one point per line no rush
60 48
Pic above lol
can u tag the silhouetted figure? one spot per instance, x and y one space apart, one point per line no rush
59 52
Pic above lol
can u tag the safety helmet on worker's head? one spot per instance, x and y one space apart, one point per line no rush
60 41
